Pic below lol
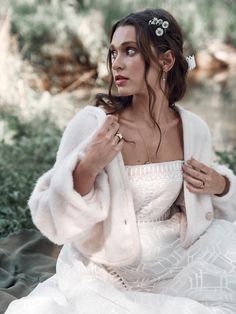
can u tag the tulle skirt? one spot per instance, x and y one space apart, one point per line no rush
197 280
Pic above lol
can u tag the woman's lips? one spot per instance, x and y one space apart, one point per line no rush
120 80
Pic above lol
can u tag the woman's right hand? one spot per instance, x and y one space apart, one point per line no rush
105 145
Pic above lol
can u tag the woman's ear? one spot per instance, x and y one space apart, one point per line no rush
167 60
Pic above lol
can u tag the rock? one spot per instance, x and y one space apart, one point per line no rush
224 53
207 61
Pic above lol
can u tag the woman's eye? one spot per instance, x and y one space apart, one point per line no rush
113 54
130 50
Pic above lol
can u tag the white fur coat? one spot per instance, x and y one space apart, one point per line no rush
102 224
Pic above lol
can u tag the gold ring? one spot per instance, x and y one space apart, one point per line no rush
118 134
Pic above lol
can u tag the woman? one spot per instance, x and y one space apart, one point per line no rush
145 218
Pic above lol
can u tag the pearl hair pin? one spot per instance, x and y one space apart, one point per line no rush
191 62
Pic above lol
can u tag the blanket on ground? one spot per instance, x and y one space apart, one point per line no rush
26 259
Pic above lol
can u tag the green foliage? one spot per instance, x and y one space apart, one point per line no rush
33 23
38 24
31 152
228 158
201 20
44 29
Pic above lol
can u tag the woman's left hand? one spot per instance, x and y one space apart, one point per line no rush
201 179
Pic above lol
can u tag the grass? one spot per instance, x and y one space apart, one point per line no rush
228 158
30 152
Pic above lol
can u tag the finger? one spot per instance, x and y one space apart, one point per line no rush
198 165
107 122
195 190
194 173
113 129
120 145
116 139
194 182
118 136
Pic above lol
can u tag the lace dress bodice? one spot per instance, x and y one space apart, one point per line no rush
155 188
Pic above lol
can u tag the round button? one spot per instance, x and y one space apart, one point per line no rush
209 215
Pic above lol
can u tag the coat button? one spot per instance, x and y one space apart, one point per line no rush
209 216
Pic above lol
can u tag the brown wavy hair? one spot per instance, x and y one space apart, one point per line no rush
172 39
146 38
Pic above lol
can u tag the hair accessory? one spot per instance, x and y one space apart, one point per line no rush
191 62
162 25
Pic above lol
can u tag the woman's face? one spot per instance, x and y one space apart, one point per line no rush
128 62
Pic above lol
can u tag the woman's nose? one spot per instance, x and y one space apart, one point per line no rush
117 62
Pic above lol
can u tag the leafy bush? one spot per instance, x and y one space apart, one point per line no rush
201 20
39 22
33 22
30 153
228 158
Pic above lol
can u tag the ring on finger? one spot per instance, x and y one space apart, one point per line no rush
119 135
202 184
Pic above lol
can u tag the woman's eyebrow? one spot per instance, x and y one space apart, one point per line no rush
124 44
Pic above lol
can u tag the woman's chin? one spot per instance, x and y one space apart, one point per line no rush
123 93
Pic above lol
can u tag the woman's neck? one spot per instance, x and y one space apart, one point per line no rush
162 112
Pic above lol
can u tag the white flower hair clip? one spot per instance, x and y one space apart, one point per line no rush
162 25
191 62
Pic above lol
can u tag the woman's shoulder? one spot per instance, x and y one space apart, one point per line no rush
80 127
192 119
85 121
88 115
89 110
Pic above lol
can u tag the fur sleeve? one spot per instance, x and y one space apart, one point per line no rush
59 212
225 206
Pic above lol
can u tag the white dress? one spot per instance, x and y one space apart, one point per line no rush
166 279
